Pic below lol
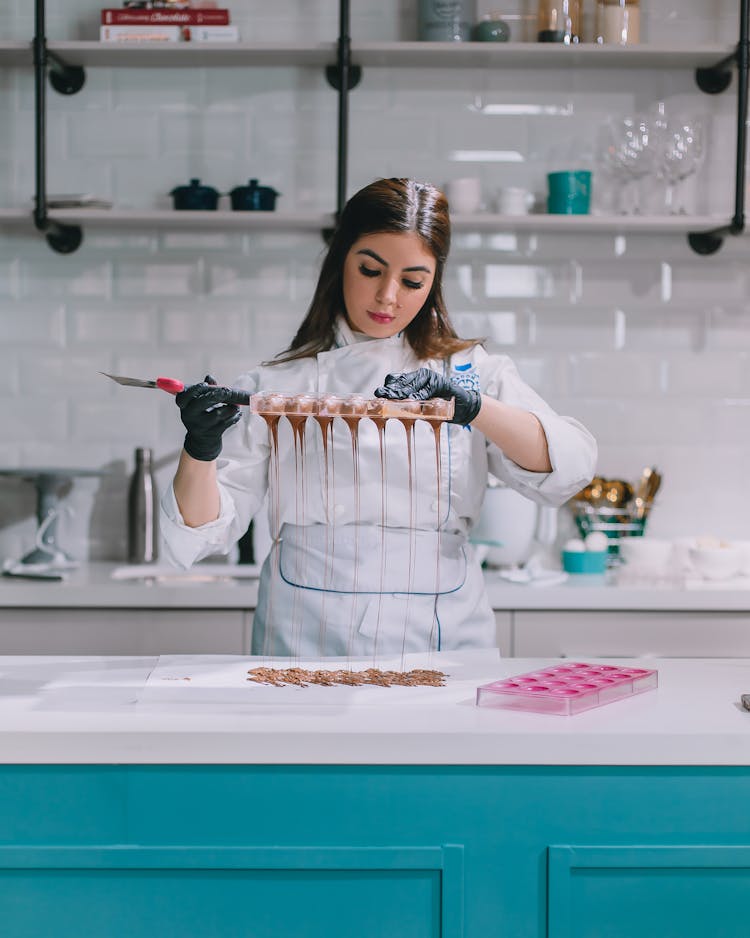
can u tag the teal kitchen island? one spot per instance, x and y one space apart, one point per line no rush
144 796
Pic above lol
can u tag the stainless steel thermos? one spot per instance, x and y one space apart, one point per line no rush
143 514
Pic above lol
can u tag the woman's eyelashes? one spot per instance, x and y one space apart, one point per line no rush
375 272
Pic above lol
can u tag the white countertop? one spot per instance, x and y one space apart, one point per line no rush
116 710
91 586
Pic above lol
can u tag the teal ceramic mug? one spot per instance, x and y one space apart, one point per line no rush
569 193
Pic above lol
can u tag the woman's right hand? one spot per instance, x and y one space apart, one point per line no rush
206 411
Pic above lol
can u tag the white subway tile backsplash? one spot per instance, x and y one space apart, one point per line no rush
731 419
10 372
41 416
223 242
548 375
117 242
134 89
210 133
528 281
205 326
645 342
625 375
728 328
155 278
677 328
29 324
572 329
701 282
621 282
248 279
114 134
112 325
59 375
709 375
131 416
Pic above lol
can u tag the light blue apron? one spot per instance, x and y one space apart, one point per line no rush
409 591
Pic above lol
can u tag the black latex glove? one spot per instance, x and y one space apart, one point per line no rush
207 411
424 383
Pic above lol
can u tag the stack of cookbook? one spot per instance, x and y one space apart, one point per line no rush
166 22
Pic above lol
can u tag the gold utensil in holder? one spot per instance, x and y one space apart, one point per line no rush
616 508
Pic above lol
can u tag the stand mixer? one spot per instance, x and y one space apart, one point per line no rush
512 532
47 558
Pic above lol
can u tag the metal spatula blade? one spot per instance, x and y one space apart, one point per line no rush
130 382
171 385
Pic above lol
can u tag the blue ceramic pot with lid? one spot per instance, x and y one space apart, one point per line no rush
195 197
253 198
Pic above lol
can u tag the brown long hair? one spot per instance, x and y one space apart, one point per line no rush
386 205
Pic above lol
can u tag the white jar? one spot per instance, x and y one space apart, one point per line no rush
618 22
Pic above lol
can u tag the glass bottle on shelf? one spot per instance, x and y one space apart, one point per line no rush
559 21
445 20
618 22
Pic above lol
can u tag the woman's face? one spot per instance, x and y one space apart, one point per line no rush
387 279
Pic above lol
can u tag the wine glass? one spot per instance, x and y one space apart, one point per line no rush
630 152
681 153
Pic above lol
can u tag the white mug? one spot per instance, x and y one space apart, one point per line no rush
464 195
514 201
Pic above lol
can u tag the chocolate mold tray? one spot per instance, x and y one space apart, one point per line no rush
352 405
567 688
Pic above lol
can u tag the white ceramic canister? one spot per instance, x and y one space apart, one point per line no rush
445 20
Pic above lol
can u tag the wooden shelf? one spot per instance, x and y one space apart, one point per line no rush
588 224
13 217
16 53
193 55
379 54
534 55
170 219
484 223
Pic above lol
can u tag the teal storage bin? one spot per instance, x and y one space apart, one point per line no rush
587 561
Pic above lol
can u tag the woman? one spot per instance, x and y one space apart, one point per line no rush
370 548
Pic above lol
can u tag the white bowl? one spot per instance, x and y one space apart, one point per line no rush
716 563
646 553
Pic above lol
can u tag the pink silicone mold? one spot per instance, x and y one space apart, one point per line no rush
566 689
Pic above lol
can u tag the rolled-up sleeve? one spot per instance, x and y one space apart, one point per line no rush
242 475
572 449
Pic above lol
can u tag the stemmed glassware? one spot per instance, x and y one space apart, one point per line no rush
630 153
681 152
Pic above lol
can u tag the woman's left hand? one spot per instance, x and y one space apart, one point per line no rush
425 383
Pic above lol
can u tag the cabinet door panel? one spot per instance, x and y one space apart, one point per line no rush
651 892
45 631
319 892
628 634
503 623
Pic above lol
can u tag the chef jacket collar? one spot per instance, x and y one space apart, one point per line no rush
346 336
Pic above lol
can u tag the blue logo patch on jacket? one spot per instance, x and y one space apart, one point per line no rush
465 376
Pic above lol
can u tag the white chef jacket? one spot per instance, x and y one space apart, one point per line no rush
370 550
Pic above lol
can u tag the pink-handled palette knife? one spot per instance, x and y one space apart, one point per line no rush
566 689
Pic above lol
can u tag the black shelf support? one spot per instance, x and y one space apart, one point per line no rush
64 78
61 238
716 78
709 242
343 76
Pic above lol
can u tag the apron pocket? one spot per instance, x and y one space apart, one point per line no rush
370 559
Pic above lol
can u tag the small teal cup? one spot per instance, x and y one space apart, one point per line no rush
569 193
